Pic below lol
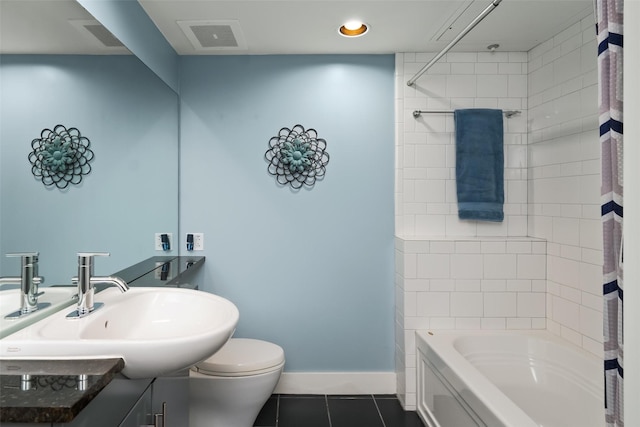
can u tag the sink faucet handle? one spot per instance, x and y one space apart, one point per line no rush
21 254
85 261
92 254
29 260
29 265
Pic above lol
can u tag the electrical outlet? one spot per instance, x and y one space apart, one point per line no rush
198 241
158 241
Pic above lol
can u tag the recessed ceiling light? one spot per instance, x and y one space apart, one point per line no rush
353 29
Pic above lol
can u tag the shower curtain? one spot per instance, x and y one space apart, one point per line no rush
609 27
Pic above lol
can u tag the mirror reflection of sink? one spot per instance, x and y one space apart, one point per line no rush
57 297
156 331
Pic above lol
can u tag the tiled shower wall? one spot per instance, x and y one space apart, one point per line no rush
538 269
564 180
456 274
425 157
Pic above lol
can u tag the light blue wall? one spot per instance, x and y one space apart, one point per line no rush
310 270
131 118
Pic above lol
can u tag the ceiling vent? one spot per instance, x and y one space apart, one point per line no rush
214 35
103 35
98 33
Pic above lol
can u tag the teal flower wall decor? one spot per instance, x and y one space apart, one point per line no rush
60 156
297 157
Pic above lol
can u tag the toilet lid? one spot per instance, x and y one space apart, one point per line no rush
243 355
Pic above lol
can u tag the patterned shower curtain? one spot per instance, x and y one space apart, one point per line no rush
609 28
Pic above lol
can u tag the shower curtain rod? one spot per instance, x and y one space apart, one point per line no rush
453 42
416 113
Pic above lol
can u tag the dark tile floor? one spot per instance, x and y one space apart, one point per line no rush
285 410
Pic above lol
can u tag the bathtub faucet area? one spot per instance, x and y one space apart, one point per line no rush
28 281
86 284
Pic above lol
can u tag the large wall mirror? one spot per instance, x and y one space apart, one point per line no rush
57 68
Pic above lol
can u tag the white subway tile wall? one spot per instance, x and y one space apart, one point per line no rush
541 267
564 180
426 202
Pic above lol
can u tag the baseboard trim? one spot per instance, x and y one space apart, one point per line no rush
337 383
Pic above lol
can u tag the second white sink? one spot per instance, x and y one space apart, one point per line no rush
156 331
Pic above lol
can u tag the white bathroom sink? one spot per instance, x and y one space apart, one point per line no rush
156 331
55 299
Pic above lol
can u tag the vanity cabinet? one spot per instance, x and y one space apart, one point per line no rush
173 392
121 403
162 402
142 412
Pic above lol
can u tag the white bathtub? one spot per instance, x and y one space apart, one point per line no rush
506 379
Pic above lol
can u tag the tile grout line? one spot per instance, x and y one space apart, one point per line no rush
375 402
326 403
277 411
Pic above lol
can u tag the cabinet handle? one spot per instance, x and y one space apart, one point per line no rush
162 415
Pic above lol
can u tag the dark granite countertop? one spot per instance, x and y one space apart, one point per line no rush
39 391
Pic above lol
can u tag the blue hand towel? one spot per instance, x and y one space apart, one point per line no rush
480 164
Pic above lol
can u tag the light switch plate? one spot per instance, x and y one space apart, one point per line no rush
198 241
158 241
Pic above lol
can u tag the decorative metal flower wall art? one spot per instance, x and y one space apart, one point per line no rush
297 157
60 156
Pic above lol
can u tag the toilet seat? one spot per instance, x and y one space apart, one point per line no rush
243 357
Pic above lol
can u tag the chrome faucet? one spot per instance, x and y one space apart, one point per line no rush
86 282
28 281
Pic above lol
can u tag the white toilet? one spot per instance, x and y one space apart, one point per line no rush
230 388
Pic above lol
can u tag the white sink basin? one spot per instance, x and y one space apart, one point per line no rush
156 331
56 297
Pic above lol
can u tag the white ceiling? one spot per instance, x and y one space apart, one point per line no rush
47 26
303 26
